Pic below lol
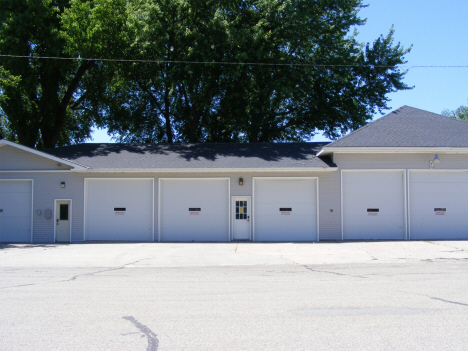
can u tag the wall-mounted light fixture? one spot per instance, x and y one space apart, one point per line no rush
62 184
435 161
241 181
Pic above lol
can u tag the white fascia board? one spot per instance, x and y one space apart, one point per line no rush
207 170
42 154
39 171
393 150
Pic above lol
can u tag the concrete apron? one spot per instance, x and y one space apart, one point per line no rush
227 254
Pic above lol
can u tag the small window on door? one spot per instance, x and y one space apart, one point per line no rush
63 212
241 209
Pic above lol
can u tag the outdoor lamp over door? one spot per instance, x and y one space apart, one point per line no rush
435 161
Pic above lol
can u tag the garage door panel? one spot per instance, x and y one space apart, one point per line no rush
209 195
434 189
299 224
16 203
103 196
373 205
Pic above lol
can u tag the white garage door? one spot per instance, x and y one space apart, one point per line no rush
285 209
373 205
438 205
15 211
194 209
119 209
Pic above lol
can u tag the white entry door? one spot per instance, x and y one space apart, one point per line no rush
62 221
241 218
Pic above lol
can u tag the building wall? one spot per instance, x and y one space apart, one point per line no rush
47 188
400 161
12 158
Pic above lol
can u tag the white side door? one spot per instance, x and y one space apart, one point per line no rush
62 220
241 218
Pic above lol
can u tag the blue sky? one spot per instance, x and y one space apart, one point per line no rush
438 31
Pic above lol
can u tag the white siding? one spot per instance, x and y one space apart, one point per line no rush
12 158
400 161
47 189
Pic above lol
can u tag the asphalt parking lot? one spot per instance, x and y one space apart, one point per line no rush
236 296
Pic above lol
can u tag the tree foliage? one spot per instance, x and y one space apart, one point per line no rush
217 71
273 70
45 100
460 113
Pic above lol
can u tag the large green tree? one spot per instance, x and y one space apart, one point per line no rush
226 70
252 70
46 102
460 113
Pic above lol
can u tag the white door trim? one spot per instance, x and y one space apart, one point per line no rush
405 200
192 178
32 199
233 198
285 178
111 178
55 217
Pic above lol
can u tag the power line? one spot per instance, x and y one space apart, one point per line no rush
221 63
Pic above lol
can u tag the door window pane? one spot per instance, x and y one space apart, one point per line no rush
63 212
241 209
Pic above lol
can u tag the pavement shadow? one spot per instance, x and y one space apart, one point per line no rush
26 246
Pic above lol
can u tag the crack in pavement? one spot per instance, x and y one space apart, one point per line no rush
90 273
17 286
373 258
79 275
433 298
448 301
450 247
153 342
346 275
105 270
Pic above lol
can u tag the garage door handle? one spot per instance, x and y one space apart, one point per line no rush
57 221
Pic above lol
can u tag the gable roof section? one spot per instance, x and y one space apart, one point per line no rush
216 156
74 165
408 127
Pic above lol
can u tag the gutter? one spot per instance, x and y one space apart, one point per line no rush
393 150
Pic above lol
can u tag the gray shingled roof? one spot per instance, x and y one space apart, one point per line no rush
408 127
201 156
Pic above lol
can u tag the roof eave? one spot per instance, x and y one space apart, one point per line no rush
205 170
393 149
